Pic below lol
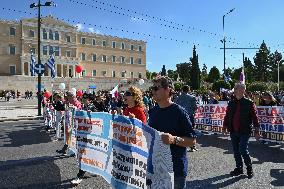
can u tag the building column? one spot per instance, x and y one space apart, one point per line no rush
67 70
74 73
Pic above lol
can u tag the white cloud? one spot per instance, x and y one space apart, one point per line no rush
79 27
91 30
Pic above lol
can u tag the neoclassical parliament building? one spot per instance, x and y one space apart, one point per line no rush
101 56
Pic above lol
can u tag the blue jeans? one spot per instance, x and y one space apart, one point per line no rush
240 148
179 183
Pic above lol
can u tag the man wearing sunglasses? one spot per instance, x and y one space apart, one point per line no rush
174 122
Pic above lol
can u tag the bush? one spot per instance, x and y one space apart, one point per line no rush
220 84
262 86
177 86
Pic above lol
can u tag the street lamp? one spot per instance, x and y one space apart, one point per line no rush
224 39
33 5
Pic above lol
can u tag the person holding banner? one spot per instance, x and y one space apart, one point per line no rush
175 123
135 109
241 114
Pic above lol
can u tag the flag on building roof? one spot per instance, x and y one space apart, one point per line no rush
51 65
32 65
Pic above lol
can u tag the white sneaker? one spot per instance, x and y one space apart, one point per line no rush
76 181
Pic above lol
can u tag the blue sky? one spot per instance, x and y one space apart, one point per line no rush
248 25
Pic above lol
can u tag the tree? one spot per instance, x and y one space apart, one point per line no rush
262 66
183 70
148 75
154 75
172 74
248 66
214 74
195 71
164 72
204 74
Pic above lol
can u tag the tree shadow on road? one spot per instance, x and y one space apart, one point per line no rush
278 174
25 135
214 182
40 172
263 153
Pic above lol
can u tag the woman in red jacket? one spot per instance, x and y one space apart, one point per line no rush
135 106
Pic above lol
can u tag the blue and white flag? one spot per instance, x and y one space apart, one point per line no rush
51 65
32 65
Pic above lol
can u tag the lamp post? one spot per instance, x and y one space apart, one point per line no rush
224 39
33 5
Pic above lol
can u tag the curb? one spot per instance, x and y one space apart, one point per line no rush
22 119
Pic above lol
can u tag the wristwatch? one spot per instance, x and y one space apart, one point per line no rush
178 140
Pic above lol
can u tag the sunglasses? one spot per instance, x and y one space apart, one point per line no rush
127 93
155 88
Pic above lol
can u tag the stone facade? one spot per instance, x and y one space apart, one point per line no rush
23 83
101 56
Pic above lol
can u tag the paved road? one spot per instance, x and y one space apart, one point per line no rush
28 160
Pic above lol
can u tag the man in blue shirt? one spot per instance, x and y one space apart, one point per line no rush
188 102
174 122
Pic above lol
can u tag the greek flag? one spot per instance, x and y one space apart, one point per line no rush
51 65
32 65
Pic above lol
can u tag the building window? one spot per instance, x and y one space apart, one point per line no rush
123 73
50 35
83 56
104 58
131 74
32 50
68 53
94 57
104 43
12 31
44 50
13 70
122 59
44 34
32 33
113 73
68 38
51 50
94 41
94 73
56 36
12 49
104 73
113 58
131 60
56 51
132 47
140 48
83 40
113 44
122 46
139 60
83 72
140 75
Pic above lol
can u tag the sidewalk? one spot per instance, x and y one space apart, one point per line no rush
18 110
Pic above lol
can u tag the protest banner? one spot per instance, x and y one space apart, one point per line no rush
123 151
210 117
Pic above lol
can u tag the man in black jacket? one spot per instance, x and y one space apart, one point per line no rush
240 116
